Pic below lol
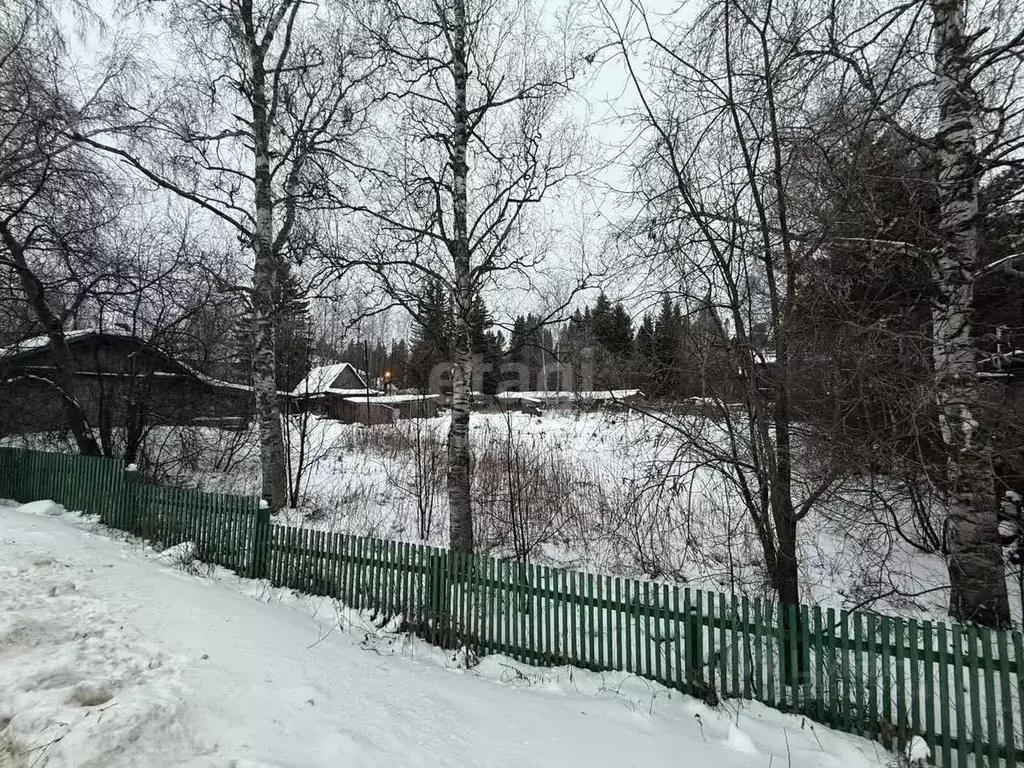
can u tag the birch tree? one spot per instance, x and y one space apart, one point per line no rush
472 136
976 575
249 127
962 103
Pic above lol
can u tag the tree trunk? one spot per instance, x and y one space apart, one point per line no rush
459 504
266 275
978 587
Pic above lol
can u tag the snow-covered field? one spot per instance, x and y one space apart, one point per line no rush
115 655
600 490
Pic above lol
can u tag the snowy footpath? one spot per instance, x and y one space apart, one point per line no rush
113 655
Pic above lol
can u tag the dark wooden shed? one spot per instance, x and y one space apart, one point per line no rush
359 410
380 409
413 406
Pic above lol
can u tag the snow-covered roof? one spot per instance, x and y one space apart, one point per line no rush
41 342
206 379
564 394
392 399
354 392
320 379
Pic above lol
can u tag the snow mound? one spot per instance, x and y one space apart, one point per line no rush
738 741
918 751
180 554
77 689
43 507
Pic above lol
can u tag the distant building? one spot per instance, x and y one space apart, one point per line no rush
384 409
343 379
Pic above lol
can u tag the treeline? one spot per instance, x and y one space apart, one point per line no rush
671 352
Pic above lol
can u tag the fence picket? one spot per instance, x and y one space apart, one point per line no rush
770 645
723 644
1009 747
886 670
975 694
901 721
611 627
958 695
681 675
711 663
942 648
928 662
668 638
1018 655
991 705
739 633
758 652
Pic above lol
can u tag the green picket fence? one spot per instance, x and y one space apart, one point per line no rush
888 679
224 528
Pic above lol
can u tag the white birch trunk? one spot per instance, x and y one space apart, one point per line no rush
976 577
459 503
266 275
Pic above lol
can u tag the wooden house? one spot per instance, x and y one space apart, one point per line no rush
121 381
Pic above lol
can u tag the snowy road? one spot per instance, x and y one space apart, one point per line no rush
111 657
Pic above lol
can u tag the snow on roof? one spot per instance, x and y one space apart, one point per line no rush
354 392
319 379
392 399
564 394
41 342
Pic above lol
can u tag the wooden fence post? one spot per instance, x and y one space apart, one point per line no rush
259 560
125 508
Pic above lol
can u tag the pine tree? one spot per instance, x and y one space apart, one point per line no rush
644 356
398 365
620 341
705 360
293 340
668 332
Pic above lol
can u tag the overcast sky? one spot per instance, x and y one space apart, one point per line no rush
601 99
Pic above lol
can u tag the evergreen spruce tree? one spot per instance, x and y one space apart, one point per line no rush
432 336
644 356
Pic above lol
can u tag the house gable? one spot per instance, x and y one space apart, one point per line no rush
348 379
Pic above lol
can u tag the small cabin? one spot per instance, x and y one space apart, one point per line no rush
342 379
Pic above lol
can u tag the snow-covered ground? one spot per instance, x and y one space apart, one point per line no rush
604 491
114 655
